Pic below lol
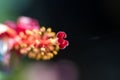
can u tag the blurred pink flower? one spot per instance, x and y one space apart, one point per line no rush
61 70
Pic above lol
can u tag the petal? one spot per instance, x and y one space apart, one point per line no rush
3 28
11 24
24 23
6 31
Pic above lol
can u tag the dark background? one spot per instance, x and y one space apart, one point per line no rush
93 32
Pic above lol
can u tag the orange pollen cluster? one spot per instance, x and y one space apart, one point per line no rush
38 44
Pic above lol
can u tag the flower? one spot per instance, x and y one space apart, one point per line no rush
26 38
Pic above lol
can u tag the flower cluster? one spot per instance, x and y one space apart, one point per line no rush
26 38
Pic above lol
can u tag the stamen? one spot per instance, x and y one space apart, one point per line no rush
39 44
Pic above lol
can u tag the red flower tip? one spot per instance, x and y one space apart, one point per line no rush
61 34
60 40
64 44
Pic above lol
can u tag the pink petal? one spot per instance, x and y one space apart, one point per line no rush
24 23
11 24
6 31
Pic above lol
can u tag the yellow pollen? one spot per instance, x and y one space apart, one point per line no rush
46 58
32 46
28 32
35 30
53 40
42 53
51 48
51 34
36 50
38 57
57 47
39 33
31 55
21 34
42 49
50 55
37 41
23 51
42 29
49 30
55 52
23 45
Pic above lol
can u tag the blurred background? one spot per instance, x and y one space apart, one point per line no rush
92 27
